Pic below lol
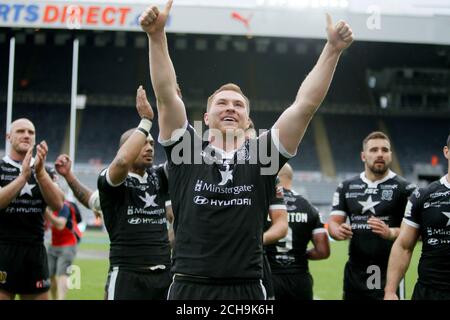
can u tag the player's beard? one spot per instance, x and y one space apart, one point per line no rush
378 169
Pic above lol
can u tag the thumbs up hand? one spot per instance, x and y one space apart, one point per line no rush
340 36
152 20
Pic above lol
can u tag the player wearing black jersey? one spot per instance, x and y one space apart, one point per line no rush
26 188
132 199
220 188
276 226
374 202
427 215
289 257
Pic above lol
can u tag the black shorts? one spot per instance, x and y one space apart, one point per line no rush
193 288
23 269
360 283
127 284
423 292
293 286
267 278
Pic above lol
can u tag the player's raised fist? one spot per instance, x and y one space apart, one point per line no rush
152 20
340 35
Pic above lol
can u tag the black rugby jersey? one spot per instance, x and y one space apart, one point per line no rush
220 203
289 254
22 221
428 210
359 199
135 217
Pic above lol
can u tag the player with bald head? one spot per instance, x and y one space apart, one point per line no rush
289 256
133 198
26 188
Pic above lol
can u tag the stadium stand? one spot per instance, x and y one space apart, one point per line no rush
50 122
346 133
418 139
112 65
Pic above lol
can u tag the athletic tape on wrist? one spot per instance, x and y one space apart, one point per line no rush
145 133
145 125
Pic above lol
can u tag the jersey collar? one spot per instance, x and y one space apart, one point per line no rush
140 178
10 161
224 155
445 182
374 184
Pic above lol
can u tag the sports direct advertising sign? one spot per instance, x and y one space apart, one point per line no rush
69 15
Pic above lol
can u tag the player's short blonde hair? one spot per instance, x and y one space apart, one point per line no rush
228 87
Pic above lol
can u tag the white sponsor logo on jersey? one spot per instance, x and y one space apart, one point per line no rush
134 220
371 191
386 195
149 200
335 199
232 202
200 185
447 214
8 169
440 194
389 186
200 200
226 175
408 209
243 154
357 186
27 189
368 205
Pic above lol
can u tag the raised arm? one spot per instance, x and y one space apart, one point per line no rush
52 194
9 192
399 259
63 166
293 122
129 151
171 110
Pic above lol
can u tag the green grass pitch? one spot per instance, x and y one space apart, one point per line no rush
93 266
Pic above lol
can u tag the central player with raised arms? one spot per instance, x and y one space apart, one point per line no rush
218 249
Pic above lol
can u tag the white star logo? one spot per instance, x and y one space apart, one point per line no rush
368 205
226 175
447 214
27 189
149 200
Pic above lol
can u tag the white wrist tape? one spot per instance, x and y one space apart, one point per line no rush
145 124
